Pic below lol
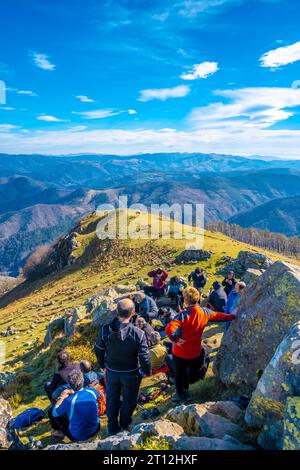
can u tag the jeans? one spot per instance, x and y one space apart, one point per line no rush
186 373
122 390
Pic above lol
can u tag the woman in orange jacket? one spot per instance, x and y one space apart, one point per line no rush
185 331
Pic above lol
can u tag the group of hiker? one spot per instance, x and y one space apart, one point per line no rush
141 340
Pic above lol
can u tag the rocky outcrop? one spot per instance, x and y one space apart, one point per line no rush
160 428
266 313
280 380
200 420
193 256
5 417
291 432
251 276
206 443
248 260
66 324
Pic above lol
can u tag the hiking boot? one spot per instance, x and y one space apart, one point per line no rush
178 400
187 396
57 435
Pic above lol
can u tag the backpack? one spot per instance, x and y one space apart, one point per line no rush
101 400
27 418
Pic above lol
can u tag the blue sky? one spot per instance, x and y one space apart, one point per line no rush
132 76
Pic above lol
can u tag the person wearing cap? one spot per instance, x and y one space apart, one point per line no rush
198 278
217 298
229 282
233 300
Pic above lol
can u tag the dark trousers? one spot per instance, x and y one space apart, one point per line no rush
153 292
122 390
60 423
186 372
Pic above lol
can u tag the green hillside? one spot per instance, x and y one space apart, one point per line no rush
99 264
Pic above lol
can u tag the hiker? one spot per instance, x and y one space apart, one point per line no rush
122 349
229 283
75 414
158 284
186 333
233 300
60 379
199 279
145 306
217 298
90 377
146 328
165 315
174 289
158 352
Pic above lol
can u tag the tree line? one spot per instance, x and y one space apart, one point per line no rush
289 246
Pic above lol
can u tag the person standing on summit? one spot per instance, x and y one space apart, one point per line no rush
199 279
122 349
158 284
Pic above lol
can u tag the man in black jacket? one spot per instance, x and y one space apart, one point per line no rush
60 378
122 349
217 298
198 278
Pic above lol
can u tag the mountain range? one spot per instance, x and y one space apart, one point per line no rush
41 197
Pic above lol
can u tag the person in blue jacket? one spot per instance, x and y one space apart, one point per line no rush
75 414
233 300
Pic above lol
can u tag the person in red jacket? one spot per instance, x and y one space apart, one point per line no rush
185 331
158 284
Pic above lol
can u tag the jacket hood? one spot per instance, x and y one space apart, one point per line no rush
118 328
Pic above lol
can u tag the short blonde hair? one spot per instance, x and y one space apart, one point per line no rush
191 296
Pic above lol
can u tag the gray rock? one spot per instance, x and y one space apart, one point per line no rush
193 256
206 443
196 420
291 433
251 276
249 260
161 428
266 314
54 326
280 380
5 417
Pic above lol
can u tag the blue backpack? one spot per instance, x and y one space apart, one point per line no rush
27 418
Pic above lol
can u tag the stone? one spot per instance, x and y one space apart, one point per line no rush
196 420
193 256
280 380
121 441
251 276
160 428
266 314
5 418
248 260
206 443
227 409
56 325
291 432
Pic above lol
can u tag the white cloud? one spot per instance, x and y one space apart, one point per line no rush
132 111
7 108
98 113
42 61
84 99
26 92
281 56
164 93
191 8
48 118
203 70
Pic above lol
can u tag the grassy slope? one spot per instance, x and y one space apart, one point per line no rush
124 263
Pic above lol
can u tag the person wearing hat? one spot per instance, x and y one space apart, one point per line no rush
217 298
229 283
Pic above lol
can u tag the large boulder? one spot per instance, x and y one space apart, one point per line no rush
266 313
193 256
199 420
280 380
291 433
5 418
249 260
161 428
55 326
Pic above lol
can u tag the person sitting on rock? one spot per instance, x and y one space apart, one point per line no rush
165 315
229 283
233 300
122 349
145 306
185 331
174 289
199 279
217 298
75 414
90 377
60 378
158 352
146 328
158 284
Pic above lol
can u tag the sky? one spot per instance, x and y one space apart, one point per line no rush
135 76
